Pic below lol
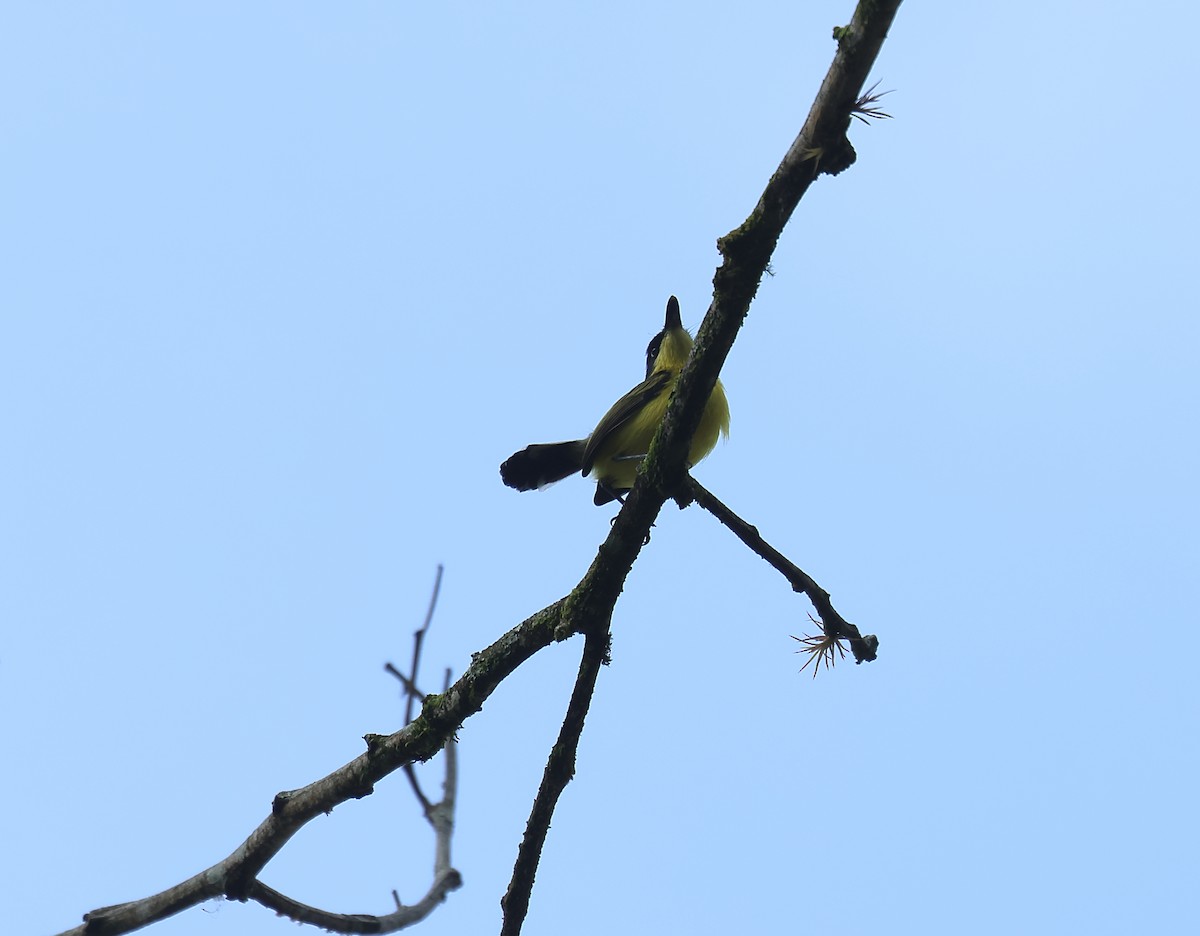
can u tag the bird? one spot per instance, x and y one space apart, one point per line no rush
614 449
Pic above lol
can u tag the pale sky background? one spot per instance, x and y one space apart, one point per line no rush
282 285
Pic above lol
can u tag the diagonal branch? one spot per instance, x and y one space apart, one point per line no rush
560 768
234 876
834 625
821 147
439 815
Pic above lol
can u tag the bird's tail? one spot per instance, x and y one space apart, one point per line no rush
537 466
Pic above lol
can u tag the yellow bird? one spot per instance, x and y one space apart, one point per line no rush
612 453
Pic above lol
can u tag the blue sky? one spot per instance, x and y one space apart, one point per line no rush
285 283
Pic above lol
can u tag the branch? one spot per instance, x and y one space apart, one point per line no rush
821 147
234 877
410 684
402 917
560 768
439 815
832 623
418 641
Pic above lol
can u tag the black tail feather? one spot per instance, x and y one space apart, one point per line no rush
537 466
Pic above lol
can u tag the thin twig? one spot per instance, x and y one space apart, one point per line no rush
419 640
403 916
833 624
409 687
560 768
440 816
440 716
410 684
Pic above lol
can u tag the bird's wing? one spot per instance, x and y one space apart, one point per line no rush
621 412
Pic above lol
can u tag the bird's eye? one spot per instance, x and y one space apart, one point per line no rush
652 353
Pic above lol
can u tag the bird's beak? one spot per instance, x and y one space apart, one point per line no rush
673 320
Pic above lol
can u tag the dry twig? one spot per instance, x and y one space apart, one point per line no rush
236 877
833 625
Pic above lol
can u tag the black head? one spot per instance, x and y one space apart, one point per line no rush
673 321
